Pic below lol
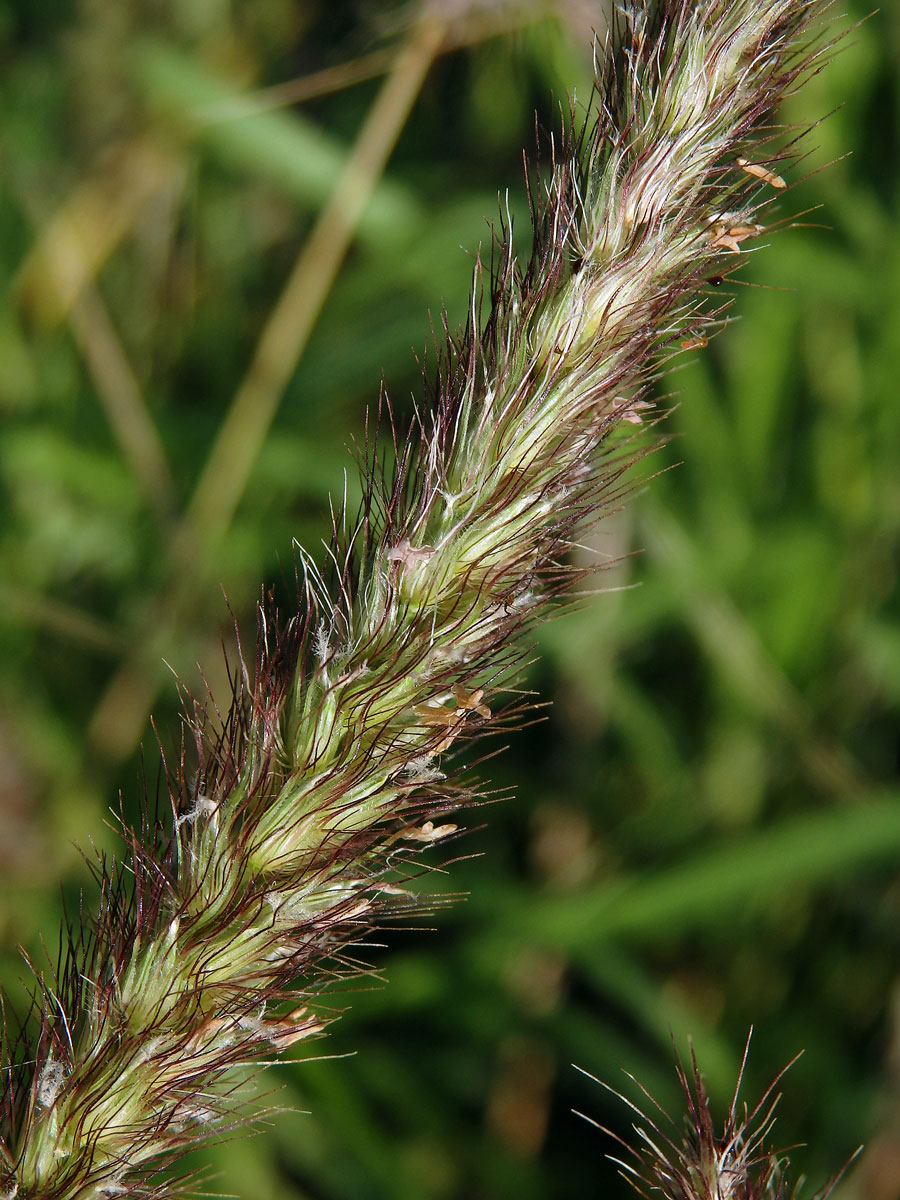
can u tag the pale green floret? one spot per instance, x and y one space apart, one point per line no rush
321 741
143 990
284 838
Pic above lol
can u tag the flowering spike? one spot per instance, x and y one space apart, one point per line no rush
696 1162
298 818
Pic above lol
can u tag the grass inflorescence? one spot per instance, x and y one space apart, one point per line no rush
697 1161
298 818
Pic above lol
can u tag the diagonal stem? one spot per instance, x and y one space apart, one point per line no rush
59 279
230 462
475 28
123 403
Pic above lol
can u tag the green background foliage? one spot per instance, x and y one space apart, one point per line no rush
703 831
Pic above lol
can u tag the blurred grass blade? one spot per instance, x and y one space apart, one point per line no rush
74 246
285 148
704 891
734 646
666 1016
